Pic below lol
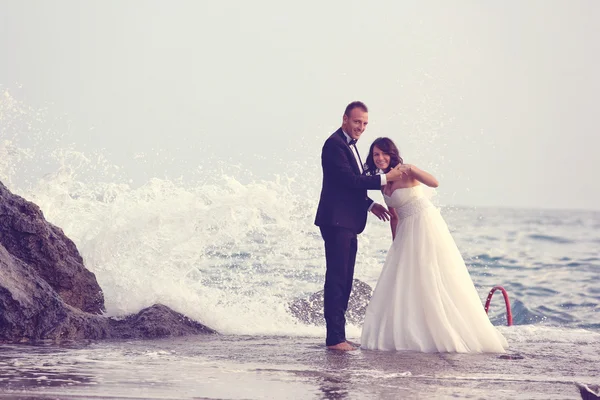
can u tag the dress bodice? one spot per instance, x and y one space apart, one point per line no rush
402 196
408 201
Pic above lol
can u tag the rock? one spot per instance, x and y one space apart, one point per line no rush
26 235
588 392
47 294
310 311
30 309
156 321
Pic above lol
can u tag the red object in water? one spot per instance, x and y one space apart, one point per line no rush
505 294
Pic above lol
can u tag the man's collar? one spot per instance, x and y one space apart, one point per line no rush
348 138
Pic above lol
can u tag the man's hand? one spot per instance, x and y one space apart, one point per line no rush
398 172
381 212
406 169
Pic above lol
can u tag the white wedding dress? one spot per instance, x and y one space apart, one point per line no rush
425 299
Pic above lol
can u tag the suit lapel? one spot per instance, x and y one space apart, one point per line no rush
360 171
350 153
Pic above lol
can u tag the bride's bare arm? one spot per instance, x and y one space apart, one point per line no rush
393 221
422 176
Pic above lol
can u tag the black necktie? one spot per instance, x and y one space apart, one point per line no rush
352 142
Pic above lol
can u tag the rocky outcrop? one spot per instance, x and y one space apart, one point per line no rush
154 322
46 293
310 310
588 392
30 308
28 237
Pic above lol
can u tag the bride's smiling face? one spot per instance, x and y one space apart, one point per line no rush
381 159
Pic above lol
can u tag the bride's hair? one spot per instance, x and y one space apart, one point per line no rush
388 147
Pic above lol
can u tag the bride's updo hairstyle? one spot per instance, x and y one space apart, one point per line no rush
388 147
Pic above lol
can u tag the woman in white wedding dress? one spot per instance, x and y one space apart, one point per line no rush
425 299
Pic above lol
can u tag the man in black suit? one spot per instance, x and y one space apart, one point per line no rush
342 215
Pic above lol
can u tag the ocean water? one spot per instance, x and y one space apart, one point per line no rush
232 251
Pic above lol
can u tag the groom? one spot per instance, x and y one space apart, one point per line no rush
342 215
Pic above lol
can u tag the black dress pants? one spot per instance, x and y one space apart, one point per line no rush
340 254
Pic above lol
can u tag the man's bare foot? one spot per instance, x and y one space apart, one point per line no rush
357 345
344 346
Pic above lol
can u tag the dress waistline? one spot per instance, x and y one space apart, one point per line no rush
413 207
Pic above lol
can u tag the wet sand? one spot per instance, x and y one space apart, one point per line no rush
542 363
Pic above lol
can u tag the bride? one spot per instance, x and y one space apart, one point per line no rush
425 299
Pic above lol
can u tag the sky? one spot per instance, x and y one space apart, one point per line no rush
498 99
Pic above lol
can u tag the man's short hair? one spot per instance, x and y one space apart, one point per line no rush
353 105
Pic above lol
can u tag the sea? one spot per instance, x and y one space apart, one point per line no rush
233 252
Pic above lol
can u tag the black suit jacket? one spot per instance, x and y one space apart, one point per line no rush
344 202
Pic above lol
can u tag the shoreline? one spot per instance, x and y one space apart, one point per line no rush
236 367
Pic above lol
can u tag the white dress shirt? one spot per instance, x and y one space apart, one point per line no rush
360 167
357 158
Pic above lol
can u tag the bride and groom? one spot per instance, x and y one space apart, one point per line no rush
424 299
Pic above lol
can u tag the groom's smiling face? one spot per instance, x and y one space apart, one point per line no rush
355 123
